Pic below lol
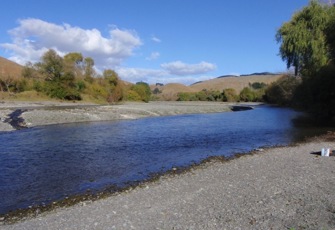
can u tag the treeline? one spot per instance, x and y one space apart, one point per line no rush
307 43
254 93
73 77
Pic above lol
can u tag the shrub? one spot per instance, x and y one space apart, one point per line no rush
282 91
317 95
143 90
133 96
229 95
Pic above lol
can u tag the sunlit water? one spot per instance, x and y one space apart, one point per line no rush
44 164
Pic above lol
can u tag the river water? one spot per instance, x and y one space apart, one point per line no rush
44 164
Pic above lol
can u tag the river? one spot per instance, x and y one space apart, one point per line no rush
43 164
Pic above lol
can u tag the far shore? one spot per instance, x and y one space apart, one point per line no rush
50 112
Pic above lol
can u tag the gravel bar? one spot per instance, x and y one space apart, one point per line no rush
277 188
49 113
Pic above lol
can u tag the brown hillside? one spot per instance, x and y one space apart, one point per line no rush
170 91
237 83
9 68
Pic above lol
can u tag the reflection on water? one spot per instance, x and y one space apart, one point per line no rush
48 163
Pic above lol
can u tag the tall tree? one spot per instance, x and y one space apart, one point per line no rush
303 42
330 33
52 66
329 2
74 62
114 85
89 70
59 80
74 58
111 77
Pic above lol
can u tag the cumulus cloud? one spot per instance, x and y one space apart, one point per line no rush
141 74
182 69
33 37
153 76
177 72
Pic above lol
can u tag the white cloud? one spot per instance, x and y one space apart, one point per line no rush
156 39
33 37
140 74
153 56
182 69
153 76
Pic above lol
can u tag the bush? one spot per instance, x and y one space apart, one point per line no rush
143 90
282 91
247 95
317 95
58 90
229 95
133 96
186 96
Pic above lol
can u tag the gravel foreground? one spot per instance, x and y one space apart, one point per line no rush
278 188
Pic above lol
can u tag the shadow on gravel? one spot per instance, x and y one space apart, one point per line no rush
15 119
331 154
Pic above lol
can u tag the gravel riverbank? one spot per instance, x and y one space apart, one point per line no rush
278 188
47 113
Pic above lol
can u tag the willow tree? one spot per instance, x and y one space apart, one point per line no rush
303 40
74 62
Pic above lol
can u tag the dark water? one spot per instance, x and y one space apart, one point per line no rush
48 163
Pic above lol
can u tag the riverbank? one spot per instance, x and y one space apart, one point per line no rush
48 113
277 188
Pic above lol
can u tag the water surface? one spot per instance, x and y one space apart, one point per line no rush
43 164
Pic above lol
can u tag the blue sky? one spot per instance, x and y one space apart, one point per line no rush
162 41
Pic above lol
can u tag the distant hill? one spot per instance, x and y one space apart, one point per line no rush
170 91
257 74
235 82
11 68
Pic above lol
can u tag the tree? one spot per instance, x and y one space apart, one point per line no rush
29 71
7 81
89 70
74 62
74 58
328 2
59 80
229 95
330 33
247 95
282 91
52 66
303 45
111 77
114 85
143 90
